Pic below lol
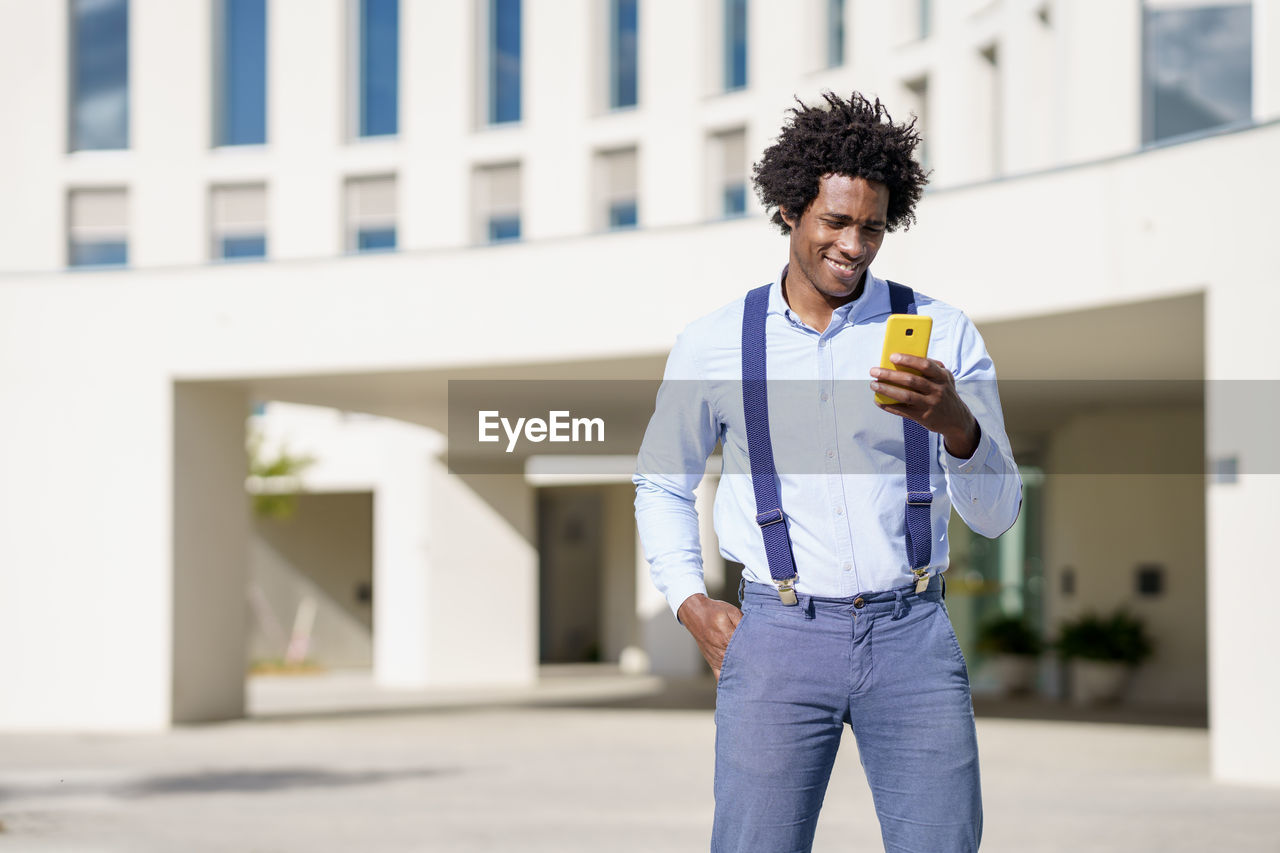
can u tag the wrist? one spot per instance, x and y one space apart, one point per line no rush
690 605
963 443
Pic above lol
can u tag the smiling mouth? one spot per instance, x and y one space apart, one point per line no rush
838 266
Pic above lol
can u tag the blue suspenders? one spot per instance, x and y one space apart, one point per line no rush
764 477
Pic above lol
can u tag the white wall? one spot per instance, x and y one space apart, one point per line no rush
320 553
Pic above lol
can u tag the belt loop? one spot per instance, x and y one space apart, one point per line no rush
808 608
742 586
899 603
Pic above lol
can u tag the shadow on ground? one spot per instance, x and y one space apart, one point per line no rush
233 781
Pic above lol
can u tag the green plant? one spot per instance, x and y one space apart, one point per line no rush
1008 635
1120 637
282 472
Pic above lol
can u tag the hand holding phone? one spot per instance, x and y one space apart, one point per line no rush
904 333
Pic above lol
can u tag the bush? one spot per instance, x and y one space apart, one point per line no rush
1008 635
1119 637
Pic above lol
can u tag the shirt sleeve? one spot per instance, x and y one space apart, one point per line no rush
985 489
672 459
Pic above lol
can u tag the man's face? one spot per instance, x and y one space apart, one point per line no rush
835 240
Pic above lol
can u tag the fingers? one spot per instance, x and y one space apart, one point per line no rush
930 368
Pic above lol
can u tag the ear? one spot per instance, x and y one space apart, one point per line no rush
787 218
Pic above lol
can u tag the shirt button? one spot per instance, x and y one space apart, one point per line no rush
822 342
848 567
839 510
831 454
823 396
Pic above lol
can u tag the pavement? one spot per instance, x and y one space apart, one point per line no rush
600 762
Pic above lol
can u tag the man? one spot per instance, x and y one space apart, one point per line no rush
842 618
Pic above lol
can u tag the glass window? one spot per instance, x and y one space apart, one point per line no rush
918 97
99 74
729 166
623 53
992 101
504 61
497 203
735 44
1197 68
619 203
241 73
371 214
379 67
924 15
835 33
239 222
97 228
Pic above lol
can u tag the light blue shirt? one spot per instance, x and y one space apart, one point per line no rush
840 460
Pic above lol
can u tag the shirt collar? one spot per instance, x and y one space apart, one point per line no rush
874 301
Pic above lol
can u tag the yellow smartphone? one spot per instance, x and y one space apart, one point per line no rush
905 333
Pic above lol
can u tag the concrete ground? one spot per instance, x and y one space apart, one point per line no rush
578 764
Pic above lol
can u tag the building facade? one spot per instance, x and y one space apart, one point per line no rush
349 203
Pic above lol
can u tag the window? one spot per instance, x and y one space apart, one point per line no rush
504 61
918 102
497 203
619 207
728 152
835 33
239 222
379 52
371 214
735 44
97 228
1197 67
924 18
991 102
624 25
241 73
99 74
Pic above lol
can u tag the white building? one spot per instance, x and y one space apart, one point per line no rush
1102 205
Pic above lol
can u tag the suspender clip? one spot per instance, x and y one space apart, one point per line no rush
786 589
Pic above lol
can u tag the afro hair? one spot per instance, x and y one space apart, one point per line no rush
856 138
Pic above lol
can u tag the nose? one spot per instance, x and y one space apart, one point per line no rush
849 243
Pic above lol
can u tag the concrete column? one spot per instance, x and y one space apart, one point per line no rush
556 105
618 598
670 647
307 99
1102 98
1266 59
85 552
401 567
435 120
483 580
1241 509
455 578
33 50
210 552
169 83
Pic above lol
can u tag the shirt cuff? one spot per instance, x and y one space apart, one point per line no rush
681 590
977 460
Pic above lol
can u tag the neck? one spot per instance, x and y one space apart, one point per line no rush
812 305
